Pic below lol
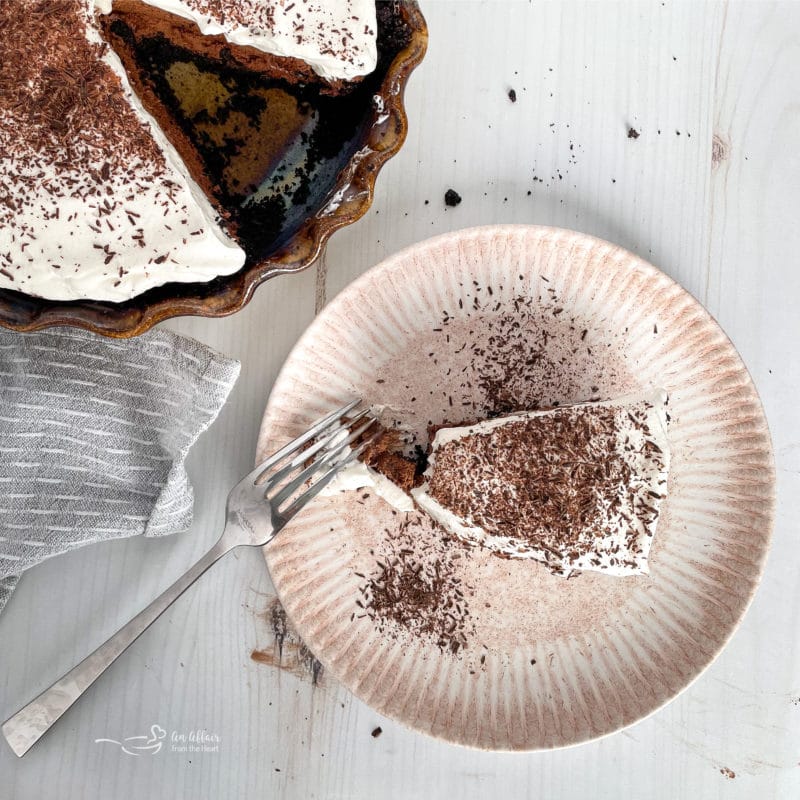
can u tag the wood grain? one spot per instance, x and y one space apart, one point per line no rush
726 228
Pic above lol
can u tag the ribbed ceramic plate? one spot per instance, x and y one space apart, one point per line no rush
491 319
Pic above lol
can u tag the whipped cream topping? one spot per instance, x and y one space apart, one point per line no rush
337 38
360 476
482 476
96 202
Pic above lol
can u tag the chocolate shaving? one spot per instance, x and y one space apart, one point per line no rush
418 589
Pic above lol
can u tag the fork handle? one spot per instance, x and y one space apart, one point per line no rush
32 721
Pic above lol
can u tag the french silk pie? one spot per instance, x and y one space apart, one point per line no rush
576 487
102 194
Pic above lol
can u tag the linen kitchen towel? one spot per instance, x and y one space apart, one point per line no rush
93 437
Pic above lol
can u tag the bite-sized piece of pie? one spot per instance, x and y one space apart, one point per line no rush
382 468
576 488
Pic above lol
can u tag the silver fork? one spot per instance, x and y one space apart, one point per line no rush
258 507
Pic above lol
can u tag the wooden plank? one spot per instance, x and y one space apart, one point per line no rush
583 73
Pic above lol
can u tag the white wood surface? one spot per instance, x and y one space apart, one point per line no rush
727 229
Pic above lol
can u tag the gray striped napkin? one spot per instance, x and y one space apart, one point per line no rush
93 437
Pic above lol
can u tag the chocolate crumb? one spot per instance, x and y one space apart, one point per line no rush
512 95
633 133
376 732
452 198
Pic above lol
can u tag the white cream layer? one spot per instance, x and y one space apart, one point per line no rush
337 38
360 476
618 529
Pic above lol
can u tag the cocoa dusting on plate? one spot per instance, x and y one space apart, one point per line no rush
416 586
510 348
525 361
495 355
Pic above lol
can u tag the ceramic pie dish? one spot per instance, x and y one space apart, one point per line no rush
542 661
340 194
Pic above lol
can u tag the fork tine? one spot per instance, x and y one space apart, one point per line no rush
326 459
317 428
319 485
322 442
